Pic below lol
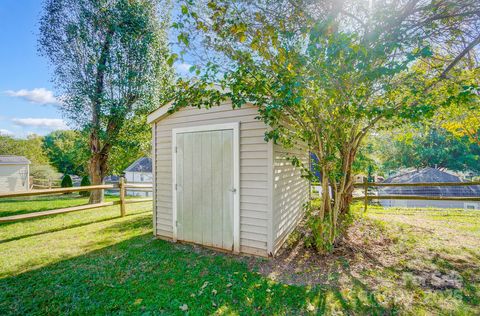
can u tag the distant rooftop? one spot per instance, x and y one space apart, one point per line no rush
143 164
430 175
13 160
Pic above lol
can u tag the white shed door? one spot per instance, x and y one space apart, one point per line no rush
204 178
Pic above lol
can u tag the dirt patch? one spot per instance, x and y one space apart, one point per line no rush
364 247
374 255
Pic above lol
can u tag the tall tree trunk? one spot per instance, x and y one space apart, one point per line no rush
98 161
97 167
334 209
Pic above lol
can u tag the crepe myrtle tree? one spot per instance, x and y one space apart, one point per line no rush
325 73
110 60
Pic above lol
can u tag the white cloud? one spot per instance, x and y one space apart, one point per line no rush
182 67
37 95
47 123
5 132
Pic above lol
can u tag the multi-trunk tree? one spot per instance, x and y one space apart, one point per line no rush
110 62
326 73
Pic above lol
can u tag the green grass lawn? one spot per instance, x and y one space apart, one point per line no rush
95 262
17 206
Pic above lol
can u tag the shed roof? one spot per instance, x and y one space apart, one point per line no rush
143 164
13 160
162 111
430 175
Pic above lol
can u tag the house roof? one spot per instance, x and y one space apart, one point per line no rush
143 164
13 160
429 175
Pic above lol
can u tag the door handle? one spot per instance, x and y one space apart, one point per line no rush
233 190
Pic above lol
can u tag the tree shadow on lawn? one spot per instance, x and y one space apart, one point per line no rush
30 205
144 275
63 227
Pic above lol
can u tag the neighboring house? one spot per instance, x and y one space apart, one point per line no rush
139 172
430 175
218 183
360 178
14 174
112 179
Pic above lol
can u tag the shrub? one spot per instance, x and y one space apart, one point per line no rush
323 235
66 181
85 182
44 172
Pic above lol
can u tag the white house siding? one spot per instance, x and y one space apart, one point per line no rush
13 178
254 181
290 192
139 178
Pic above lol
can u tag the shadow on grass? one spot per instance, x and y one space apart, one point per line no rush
65 227
19 206
144 275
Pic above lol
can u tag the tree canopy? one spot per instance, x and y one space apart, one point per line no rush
68 151
426 146
31 148
326 73
110 62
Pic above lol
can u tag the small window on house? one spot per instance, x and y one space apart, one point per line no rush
142 178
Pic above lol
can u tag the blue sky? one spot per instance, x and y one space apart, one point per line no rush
25 88
27 95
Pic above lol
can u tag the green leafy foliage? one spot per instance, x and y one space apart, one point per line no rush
85 182
110 61
68 151
44 172
31 148
324 81
427 146
66 181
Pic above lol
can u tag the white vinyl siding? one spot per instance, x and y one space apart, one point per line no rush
290 192
138 177
254 181
13 178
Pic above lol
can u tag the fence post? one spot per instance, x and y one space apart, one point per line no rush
365 186
122 196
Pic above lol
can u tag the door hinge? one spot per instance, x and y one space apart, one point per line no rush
176 187
175 149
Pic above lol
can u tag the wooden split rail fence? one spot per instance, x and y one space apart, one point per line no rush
36 183
121 186
366 197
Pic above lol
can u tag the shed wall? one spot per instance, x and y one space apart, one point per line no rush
11 179
290 192
254 180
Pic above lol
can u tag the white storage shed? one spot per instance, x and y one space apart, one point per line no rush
218 183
